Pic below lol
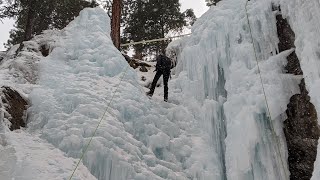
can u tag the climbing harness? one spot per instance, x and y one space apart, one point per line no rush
153 40
104 114
274 135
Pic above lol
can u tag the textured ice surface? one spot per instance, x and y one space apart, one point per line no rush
217 66
139 138
23 155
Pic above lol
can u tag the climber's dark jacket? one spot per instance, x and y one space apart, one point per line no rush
163 67
163 63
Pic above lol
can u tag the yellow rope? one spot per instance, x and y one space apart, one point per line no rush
264 93
95 131
153 40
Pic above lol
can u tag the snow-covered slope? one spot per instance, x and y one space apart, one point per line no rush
23 155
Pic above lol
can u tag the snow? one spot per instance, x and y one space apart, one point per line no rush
20 71
25 155
29 157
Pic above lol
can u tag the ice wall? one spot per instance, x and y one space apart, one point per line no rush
25 156
139 138
217 65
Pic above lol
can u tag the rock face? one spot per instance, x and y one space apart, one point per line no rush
143 69
14 106
135 63
286 41
302 134
301 126
45 51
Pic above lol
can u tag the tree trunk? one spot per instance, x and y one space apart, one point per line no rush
30 21
163 43
115 22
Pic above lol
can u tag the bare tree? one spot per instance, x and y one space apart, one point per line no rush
115 22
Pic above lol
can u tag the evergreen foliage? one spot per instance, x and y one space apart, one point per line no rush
154 19
48 14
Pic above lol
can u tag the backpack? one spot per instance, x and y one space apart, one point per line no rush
163 63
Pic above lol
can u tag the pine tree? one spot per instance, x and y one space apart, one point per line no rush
35 16
30 20
8 9
154 19
126 12
65 11
115 22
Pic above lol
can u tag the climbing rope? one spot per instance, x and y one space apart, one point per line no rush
274 135
117 88
153 40
105 112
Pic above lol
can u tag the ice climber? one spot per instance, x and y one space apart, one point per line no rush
163 67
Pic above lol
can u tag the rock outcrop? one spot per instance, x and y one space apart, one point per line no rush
301 126
302 133
135 63
14 107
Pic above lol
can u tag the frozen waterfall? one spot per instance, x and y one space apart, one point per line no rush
216 125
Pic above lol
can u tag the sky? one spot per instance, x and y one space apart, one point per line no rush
5 27
199 7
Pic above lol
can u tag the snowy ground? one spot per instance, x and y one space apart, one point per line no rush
25 156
